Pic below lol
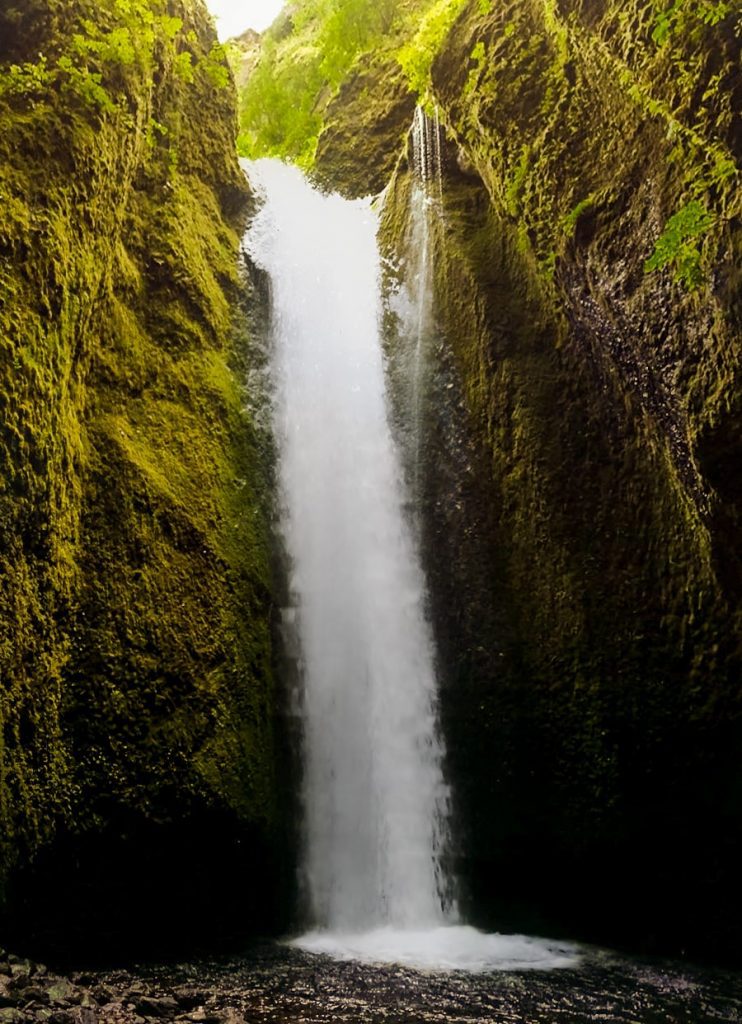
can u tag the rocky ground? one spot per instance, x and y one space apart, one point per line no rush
29 992
271 983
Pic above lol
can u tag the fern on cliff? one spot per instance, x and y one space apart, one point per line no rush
677 246
104 55
417 56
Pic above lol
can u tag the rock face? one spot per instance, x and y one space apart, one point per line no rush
137 784
595 746
356 129
581 459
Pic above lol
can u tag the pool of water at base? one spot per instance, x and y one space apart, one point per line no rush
275 984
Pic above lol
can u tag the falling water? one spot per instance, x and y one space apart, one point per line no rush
374 796
426 200
426 151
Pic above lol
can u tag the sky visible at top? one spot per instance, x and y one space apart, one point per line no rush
234 16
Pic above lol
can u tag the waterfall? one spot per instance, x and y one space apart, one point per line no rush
415 306
374 797
426 152
375 802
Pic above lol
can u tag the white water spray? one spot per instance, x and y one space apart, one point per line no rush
374 797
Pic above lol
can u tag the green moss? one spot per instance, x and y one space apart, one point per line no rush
585 631
516 185
539 81
675 18
584 206
478 58
135 645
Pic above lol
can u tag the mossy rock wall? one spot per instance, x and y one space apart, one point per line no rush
580 465
591 693
137 785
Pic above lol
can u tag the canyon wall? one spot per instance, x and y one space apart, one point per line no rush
137 752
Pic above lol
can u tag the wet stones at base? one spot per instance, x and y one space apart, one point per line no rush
270 983
30 993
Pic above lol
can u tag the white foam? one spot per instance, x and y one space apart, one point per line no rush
452 948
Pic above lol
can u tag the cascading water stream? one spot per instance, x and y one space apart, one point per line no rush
427 191
375 802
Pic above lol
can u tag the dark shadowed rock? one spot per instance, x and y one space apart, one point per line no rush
157 1006
35 994
7 996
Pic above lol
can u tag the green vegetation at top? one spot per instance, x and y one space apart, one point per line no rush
416 56
655 59
307 54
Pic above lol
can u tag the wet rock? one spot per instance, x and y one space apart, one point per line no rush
232 1016
15 986
159 1007
63 1017
203 1016
20 973
63 992
189 998
7 997
103 994
35 994
10 1015
82 979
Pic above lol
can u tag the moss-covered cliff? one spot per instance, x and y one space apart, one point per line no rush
137 751
581 467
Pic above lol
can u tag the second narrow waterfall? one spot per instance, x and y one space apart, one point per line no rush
375 802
